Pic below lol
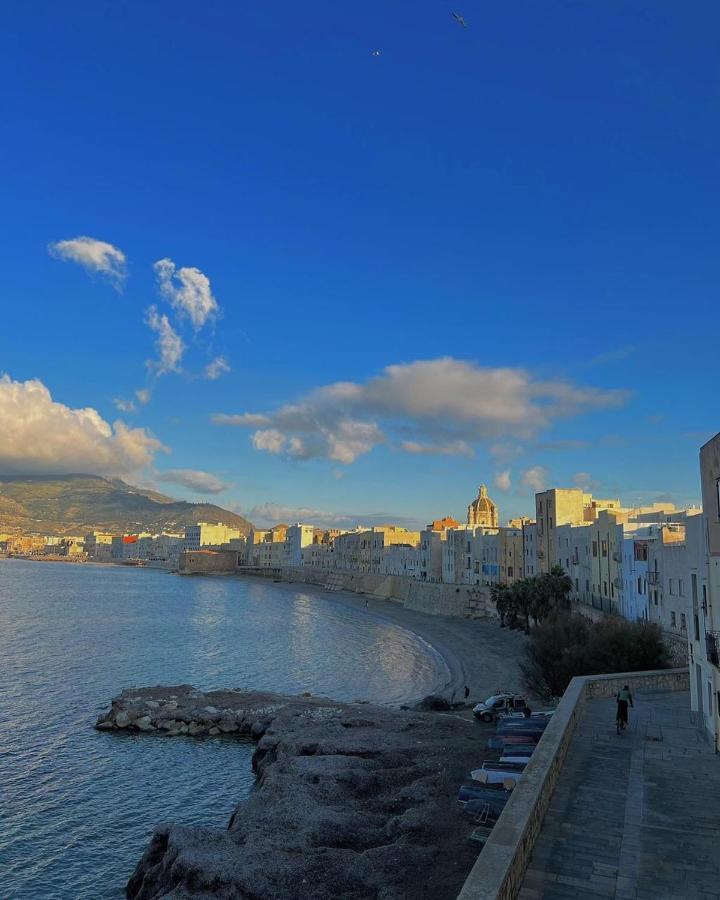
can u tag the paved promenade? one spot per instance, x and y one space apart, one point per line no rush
634 816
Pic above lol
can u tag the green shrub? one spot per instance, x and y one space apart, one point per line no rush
566 645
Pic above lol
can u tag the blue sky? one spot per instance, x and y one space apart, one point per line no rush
531 200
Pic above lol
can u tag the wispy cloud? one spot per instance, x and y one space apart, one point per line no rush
612 355
126 406
503 480
169 344
585 481
188 291
143 396
437 405
96 257
219 366
535 478
449 448
194 479
40 435
266 514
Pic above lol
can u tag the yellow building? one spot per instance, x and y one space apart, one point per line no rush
482 511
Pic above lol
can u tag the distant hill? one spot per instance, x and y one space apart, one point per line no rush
73 504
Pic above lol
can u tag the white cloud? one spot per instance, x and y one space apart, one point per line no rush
143 396
39 435
439 405
195 479
219 366
126 406
535 478
95 256
503 481
188 290
270 439
169 344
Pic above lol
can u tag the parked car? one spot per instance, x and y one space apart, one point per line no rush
491 708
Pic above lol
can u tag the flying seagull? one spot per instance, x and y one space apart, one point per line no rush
459 19
376 53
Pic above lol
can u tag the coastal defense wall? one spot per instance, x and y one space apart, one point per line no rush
499 871
461 601
207 562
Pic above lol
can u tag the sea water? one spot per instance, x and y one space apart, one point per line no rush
78 806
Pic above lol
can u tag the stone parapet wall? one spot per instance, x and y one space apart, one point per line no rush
207 562
499 871
458 600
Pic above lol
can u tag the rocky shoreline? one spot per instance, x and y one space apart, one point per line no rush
352 800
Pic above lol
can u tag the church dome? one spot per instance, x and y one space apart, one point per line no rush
482 511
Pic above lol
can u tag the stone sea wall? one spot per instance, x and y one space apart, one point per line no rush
461 601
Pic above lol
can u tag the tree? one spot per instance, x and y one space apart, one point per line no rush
533 598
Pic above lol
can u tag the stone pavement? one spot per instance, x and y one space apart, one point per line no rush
634 816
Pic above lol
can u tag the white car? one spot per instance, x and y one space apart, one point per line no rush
494 705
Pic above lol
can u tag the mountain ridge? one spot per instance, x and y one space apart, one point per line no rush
72 504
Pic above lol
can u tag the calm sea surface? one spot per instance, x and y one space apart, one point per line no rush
77 806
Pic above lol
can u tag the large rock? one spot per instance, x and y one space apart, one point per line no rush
144 723
352 801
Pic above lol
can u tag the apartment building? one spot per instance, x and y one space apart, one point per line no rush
209 535
704 607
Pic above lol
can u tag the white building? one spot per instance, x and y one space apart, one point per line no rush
298 537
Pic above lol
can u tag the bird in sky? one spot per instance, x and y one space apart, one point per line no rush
459 19
376 52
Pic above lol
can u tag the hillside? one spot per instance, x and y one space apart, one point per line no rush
72 504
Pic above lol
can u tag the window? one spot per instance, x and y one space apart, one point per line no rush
671 587
655 597
605 588
681 587
696 623
594 548
639 585
683 622
587 586
550 522
604 548
673 620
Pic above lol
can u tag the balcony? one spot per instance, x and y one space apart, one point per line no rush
618 582
617 556
712 639
574 560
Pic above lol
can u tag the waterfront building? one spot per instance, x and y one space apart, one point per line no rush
297 538
98 544
704 602
482 511
529 531
266 547
209 535
362 550
511 552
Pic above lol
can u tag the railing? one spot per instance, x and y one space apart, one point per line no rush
712 640
653 578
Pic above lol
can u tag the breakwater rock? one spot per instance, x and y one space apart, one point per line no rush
352 800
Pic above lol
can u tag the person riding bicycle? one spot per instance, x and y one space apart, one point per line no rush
624 697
